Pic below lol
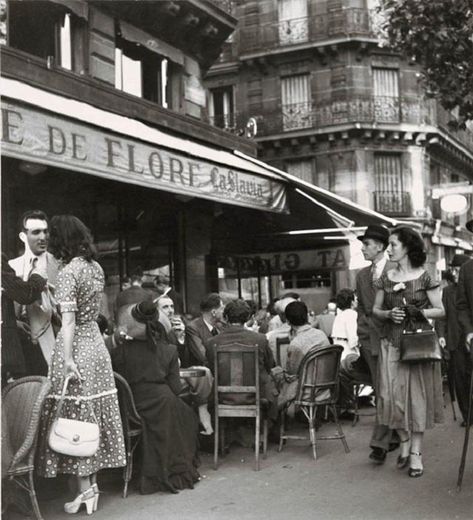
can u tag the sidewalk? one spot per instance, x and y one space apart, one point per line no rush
290 485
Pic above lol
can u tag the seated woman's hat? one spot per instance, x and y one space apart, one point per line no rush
459 260
376 232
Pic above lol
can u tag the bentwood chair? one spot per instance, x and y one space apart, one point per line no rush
318 385
237 392
22 402
132 426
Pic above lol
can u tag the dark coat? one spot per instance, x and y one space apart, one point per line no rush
197 333
369 327
14 289
238 334
449 327
464 298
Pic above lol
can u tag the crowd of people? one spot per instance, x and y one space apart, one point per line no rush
52 324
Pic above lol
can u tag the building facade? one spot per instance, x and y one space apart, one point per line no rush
308 80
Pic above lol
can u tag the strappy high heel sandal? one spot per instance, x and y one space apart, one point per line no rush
402 462
95 487
87 498
415 472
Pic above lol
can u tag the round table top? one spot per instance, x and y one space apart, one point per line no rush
192 372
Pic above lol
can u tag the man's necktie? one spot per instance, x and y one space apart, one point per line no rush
214 332
374 274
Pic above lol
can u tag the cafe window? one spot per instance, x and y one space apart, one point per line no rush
46 32
306 280
222 107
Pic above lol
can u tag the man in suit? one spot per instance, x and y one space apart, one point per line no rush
236 314
161 282
14 289
449 337
34 320
199 330
375 241
464 306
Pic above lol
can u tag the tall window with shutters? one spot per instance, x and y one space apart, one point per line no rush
296 102
386 95
293 21
221 107
391 195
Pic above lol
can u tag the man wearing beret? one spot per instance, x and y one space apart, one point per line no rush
464 306
375 241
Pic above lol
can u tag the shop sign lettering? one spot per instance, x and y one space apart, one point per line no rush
316 260
30 134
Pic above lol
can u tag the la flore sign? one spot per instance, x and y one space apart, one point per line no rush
39 136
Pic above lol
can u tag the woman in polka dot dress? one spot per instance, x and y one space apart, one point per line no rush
80 352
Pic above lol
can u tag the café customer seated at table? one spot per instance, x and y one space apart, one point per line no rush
151 367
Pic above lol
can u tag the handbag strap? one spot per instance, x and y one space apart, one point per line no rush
63 396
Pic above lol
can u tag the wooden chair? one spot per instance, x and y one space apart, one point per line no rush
22 402
132 426
358 385
282 344
317 386
237 372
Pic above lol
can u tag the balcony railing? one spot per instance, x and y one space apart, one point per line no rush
226 5
393 203
359 109
225 121
335 24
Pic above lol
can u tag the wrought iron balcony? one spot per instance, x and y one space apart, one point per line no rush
226 5
356 109
393 203
334 24
225 121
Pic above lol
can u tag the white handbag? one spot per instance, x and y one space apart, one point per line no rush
73 437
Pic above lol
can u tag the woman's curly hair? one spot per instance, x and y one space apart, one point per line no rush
69 237
413 242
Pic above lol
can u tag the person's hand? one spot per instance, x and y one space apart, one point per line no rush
70 369
397 314
442 342
469 342
24 327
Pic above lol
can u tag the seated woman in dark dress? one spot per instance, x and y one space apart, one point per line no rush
151 367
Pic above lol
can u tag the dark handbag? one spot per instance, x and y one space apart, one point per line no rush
419 342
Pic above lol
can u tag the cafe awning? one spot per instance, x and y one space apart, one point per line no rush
44 127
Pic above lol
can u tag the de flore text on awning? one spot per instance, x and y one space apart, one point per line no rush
35 135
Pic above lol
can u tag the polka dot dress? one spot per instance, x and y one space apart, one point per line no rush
79 289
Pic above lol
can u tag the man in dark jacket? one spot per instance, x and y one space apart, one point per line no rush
14 289
464 306
201 329
449 337
236 314
375 241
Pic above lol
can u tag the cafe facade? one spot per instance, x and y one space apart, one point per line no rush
160 190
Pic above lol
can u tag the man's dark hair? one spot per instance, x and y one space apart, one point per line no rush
237 311
31 214
252 305
345 298
210 302
271 307
296 313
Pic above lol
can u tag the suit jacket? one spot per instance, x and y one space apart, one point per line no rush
39 319
449 327
464 298
239 334
369 328
14 289
197 333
